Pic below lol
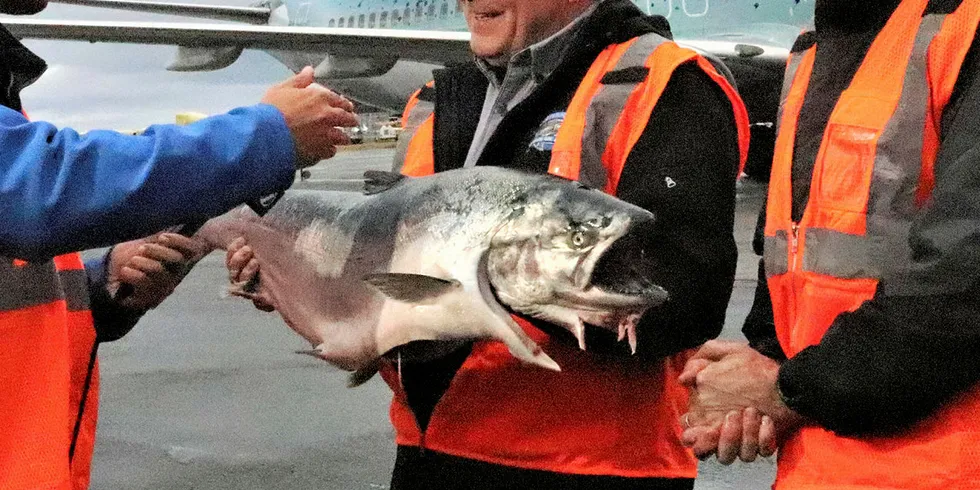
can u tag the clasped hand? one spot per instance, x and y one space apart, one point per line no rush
735 410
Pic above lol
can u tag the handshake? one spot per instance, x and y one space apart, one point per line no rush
735 408
314 116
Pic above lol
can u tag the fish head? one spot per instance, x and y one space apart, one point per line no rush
571 255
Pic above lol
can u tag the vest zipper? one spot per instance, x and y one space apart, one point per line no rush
795 243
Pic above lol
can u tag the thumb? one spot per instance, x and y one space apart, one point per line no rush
302 79
689 377
715 350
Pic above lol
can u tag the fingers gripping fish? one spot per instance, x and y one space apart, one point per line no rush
445 258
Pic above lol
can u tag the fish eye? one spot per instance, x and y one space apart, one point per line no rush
581 239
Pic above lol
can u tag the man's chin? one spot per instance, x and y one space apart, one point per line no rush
22 7
493 55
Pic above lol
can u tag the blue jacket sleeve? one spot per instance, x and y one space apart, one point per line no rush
62 192
112 320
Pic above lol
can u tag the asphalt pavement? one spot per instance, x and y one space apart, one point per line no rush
207 393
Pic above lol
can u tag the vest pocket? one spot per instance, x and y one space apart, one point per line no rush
844 168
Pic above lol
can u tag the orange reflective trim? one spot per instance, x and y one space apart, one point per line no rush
419 159
779 207
741 112
566 154
34 409
81 342
69 262
640 105
841 182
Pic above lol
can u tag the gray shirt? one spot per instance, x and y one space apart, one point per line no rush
526 70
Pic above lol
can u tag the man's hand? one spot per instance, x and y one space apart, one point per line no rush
153 266
313 114
735 409
243 270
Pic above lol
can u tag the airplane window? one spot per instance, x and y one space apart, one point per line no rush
384 19
444 11
340 23
360 21
432 10
408 15
350 21
371 19
395 17
418 11
332 23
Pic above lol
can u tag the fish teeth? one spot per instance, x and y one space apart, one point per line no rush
580 334
627 330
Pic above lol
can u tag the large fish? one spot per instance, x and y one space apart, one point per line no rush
446 258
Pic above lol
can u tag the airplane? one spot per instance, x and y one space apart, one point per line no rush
378 52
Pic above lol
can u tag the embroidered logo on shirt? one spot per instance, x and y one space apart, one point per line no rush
544 138
670 182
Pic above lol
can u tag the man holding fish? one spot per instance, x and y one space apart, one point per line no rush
586 90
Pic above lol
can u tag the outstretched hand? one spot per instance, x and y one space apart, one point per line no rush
735 410
313 115
152 266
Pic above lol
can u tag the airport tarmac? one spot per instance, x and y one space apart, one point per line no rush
206 393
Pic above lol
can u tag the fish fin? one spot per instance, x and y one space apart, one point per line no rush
316 352
521 346
363 375
377 181
411 288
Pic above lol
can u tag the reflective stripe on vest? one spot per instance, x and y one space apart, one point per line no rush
873 171
485 415
49 335
593 133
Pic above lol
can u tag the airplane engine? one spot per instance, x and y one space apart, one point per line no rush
340 67
204 59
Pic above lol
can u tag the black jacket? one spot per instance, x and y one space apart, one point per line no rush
691 140
912 347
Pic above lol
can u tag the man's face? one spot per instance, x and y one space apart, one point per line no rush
22 7
501 28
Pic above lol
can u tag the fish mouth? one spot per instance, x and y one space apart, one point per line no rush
617 274
614 289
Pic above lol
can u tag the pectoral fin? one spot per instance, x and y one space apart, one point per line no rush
363 375
411 288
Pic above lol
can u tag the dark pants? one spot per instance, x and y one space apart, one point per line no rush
417 470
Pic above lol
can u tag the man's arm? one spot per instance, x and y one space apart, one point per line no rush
683 169
63 192
152 267
912 347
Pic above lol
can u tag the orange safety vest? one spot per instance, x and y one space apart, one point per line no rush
873 172
47 432
598 416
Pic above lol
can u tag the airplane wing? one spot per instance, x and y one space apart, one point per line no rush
437 47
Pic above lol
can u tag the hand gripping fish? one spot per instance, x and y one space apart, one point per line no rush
446 258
